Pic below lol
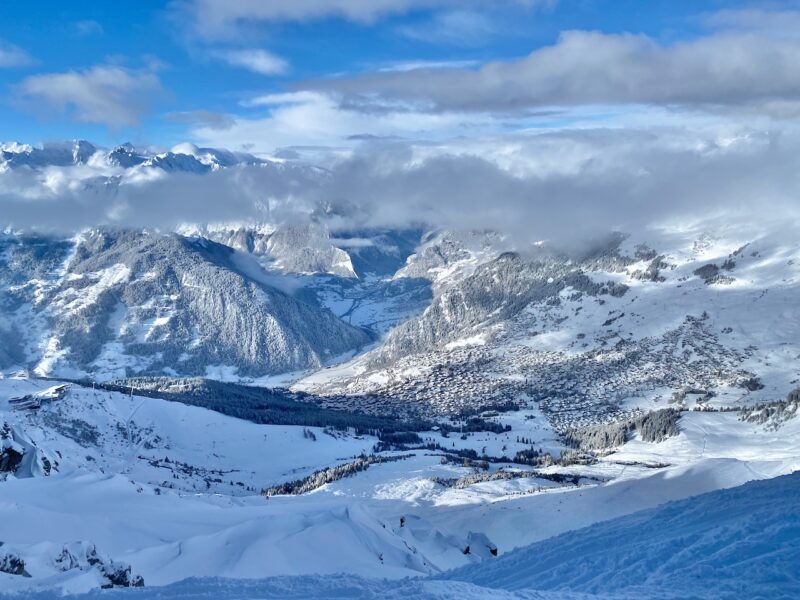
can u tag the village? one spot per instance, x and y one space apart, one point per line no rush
681 368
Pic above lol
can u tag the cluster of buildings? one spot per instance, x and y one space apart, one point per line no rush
602 384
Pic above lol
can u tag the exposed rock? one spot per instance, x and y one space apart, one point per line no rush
85 556
496 292
11 453
10 459
11 563
653 270
710 274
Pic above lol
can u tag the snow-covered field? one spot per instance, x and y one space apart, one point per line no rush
731 544
173 491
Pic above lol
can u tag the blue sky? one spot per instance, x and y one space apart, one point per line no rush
162 40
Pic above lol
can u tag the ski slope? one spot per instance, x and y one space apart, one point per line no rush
737 543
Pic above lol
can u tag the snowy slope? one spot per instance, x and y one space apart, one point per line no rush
168 444
323 588
174 492
737 543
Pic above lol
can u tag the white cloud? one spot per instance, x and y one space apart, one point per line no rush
455 27
224 18
105 94
413 65
583 68
564 185
14 56
306 118
256 60
283 98
316 123
88 27
774 22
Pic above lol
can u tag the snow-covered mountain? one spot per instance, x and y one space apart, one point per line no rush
450 396
183 157
291 248
112 304
625 324
701 317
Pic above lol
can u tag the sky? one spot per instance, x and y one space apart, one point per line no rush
175 71
620 111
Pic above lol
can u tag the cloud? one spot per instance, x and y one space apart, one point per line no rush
88 27
456 27
586 67
203 118
308 118
568 185
426 64
256 60
14 56
105 94
282 99
774 22
67 199
563 186
225 18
